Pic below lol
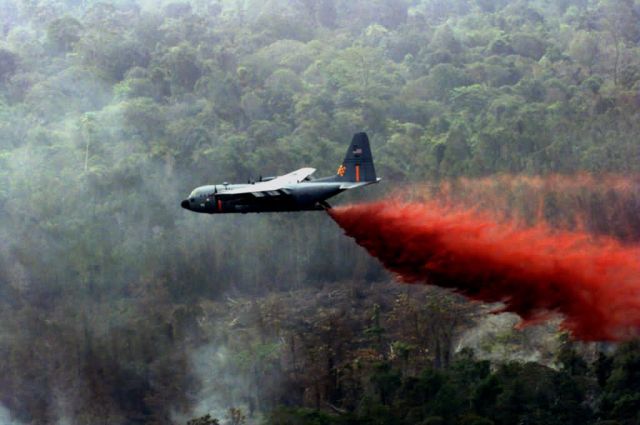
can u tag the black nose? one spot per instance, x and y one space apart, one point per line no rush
185 204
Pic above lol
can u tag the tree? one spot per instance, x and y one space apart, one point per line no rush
619 20
111 55
8 64
457 150
621 396
445 40
63 33
584 48
442 79
183 68
203 420
528 45
386 382
358 14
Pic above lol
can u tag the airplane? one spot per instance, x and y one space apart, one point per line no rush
296 191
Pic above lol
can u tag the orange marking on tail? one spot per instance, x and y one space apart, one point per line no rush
357 173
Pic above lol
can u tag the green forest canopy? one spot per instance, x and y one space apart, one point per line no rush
111 112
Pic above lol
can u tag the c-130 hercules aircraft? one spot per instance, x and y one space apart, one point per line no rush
295 191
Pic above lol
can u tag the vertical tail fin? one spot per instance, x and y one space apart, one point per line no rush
358 162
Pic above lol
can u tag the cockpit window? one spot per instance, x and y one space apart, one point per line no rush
202 192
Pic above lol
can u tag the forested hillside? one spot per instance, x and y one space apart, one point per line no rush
116 305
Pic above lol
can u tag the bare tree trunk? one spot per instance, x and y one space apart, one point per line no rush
86 155
617 59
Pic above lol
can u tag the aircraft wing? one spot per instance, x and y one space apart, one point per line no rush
294 177
275 187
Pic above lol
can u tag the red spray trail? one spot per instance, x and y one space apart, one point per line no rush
536 272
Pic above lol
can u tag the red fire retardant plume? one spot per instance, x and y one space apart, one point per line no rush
535 272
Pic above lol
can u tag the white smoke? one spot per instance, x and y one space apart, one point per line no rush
220 387
6 418
497 338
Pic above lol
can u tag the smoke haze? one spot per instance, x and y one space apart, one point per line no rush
114 301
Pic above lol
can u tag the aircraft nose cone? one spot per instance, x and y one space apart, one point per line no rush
185 204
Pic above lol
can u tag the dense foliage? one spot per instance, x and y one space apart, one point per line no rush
111 112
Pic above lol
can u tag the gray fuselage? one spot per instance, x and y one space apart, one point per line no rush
303 196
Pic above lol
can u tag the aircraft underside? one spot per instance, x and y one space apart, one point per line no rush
259 206
284 207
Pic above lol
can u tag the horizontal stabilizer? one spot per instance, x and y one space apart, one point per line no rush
353 185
